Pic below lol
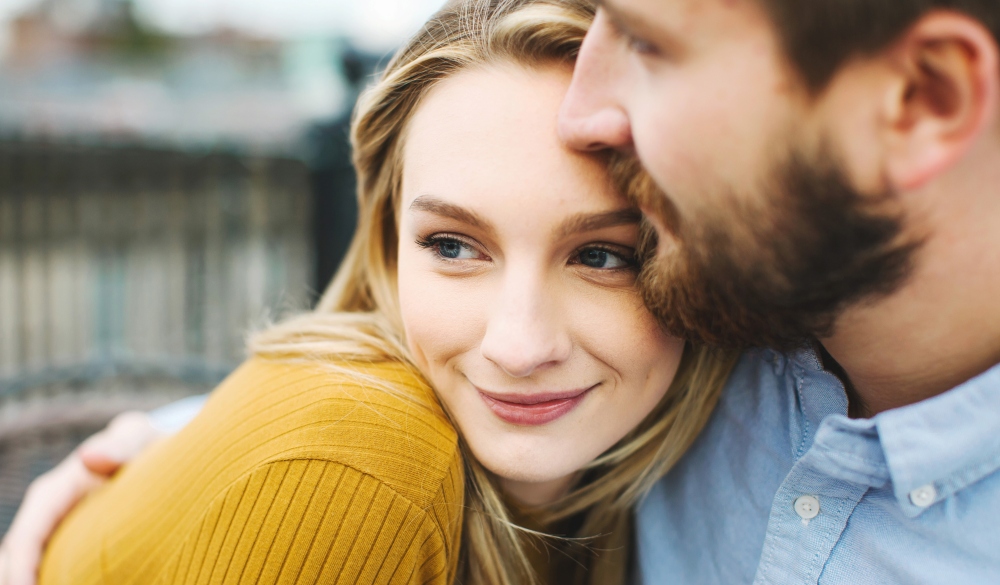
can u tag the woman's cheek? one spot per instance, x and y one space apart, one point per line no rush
440 316
622 333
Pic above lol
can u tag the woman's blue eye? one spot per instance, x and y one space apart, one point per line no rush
450 248
603 259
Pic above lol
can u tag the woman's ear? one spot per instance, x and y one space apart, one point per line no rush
947 94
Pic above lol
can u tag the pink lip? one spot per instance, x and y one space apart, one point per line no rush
533 409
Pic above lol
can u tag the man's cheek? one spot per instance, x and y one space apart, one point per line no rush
671 146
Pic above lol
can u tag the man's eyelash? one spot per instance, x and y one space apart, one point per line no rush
634 43
638 45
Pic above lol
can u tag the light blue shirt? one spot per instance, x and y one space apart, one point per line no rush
782 488
176 415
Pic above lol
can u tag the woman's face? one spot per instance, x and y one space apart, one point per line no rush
516 281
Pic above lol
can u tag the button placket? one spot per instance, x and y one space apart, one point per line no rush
794 545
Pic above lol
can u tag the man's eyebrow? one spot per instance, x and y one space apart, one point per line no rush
625 21
432 204
588 222
620 18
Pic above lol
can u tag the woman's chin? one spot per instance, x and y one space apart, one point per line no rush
534 470
536 493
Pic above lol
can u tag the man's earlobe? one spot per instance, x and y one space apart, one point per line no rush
948 95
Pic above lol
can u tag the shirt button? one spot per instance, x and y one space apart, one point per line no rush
807 507
923 496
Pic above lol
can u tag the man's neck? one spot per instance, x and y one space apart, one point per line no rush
902 379
941 328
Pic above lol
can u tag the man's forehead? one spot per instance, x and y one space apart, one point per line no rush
686 17
673 7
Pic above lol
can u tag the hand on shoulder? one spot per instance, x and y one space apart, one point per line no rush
52 495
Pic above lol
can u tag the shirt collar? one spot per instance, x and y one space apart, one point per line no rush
932 449
819 393
938 446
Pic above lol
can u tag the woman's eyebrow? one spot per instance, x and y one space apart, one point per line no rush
432 204
587 222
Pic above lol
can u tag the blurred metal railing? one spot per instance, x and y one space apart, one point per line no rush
128 277
110 254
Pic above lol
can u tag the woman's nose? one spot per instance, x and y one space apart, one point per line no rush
525 333
590 117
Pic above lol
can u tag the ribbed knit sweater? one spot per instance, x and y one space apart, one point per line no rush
292 473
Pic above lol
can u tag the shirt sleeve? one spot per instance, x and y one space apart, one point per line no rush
309 521
176 415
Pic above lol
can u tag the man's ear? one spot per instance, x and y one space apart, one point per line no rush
948 68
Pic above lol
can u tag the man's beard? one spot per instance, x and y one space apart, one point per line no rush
777 275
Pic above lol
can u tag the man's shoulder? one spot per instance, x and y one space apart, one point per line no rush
760 376
791 389
704 522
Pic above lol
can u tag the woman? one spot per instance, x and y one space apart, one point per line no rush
491 264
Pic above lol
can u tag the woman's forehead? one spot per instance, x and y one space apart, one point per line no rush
491 132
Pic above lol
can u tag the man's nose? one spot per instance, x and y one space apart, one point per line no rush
525 332
591 118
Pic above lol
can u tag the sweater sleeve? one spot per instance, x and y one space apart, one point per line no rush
310 521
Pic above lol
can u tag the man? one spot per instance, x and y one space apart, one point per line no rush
831 171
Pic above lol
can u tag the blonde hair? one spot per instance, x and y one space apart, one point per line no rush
358 317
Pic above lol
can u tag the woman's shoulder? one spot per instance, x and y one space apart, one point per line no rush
290 469
380 419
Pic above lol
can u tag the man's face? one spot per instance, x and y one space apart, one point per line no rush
763 238
698 87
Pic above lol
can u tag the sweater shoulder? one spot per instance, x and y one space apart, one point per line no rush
308 521
290 429
380 419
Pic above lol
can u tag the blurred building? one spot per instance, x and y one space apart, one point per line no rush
159 197
106 76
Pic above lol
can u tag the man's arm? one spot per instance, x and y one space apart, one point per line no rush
175 416
52 495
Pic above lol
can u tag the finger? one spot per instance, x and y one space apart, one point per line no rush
98 462
124 438
53 495
3 565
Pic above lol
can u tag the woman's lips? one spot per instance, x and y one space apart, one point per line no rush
533 409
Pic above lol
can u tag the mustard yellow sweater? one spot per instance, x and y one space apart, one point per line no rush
291 474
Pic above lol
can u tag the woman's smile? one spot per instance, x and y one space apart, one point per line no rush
531 409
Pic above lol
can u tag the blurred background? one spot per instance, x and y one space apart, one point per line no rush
173 173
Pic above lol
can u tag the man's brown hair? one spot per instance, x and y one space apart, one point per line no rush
820 35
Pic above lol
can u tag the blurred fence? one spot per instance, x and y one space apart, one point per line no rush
128 278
